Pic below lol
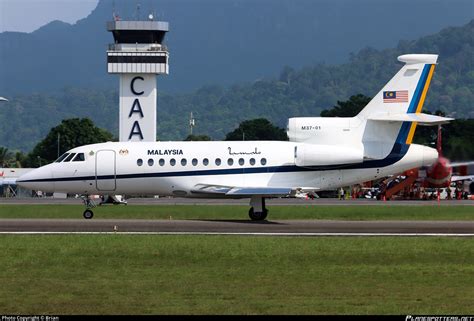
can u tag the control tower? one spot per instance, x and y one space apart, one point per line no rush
138 55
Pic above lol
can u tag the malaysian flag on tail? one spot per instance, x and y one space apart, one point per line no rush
399 96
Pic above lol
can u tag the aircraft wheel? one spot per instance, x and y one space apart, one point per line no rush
258 216
88 214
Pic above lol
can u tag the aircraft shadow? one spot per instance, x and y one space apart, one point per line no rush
265 222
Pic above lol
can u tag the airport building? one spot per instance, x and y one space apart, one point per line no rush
138 55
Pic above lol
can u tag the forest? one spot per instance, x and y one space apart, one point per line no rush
218 110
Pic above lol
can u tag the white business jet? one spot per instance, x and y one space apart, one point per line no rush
321 154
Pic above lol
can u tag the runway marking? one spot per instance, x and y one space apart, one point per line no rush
243 234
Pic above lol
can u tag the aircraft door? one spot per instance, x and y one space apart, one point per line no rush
105 170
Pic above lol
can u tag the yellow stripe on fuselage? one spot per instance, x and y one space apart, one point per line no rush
411 133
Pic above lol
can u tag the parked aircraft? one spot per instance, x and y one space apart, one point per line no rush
440 174
321 154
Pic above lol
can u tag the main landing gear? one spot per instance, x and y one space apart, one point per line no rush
89 203
258 211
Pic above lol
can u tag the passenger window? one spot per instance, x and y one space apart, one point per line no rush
252 161
151 162
218 161
68 159
161 162
63 156
184 161
263 161
205 162
172 162
79 158
230 162
139 162
241 161
195 161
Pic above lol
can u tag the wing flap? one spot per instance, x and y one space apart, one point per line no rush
267 191
236 191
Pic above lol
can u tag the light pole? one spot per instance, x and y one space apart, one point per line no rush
59 136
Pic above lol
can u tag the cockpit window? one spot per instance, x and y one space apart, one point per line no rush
68 159
63 156
79 158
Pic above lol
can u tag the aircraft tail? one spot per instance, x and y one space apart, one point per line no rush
387 124
392 115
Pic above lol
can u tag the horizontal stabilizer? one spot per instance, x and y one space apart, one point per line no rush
418 59
420 118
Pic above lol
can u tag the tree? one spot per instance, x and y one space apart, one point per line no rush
257 129
4 156
348 108
72 133
197 138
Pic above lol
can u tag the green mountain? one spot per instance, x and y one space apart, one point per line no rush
220 41
218 110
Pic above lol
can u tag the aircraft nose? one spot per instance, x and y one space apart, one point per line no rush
430 156
40 179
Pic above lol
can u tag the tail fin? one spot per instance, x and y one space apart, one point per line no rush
391 116
406 91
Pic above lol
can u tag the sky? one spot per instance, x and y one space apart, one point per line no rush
29 15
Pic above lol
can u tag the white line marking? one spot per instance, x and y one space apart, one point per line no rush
243 234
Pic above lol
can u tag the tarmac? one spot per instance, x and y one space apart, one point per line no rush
240 227
231 202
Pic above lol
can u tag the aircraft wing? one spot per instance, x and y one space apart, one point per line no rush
457 164
462 178
8 181
236 191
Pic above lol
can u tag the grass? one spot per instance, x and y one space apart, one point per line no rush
123 274
382 212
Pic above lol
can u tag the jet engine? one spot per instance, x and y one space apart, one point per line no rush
308 155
